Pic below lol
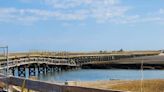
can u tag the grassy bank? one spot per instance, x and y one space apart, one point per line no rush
132 86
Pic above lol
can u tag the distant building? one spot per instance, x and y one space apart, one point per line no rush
162 52
121 50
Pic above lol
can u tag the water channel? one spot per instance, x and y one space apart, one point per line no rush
100 74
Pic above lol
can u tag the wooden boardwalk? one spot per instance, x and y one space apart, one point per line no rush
65 60
70 59
26 61
149 62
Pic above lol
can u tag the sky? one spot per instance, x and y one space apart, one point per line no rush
81 25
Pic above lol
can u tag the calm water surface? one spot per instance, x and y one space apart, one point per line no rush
101 74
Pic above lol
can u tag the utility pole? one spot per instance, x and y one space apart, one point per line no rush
141 75
6 54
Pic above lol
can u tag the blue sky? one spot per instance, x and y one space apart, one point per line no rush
82 25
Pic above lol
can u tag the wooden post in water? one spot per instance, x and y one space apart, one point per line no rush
21 71
32 71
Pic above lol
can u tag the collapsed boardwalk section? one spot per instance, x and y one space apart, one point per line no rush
36 65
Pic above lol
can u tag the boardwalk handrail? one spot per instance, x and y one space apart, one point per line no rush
48 87
24 61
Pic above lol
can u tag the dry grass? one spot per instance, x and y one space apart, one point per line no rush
132 86
2 85
135 86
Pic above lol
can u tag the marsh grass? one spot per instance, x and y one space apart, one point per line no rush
127 85
135 86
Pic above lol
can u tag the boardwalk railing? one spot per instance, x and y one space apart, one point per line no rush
47 87
24 61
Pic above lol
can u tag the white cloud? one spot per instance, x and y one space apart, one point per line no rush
79 10
161 11
67 4
66 10
33 15
97 9
154 16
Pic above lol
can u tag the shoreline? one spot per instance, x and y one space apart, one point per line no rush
148 85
